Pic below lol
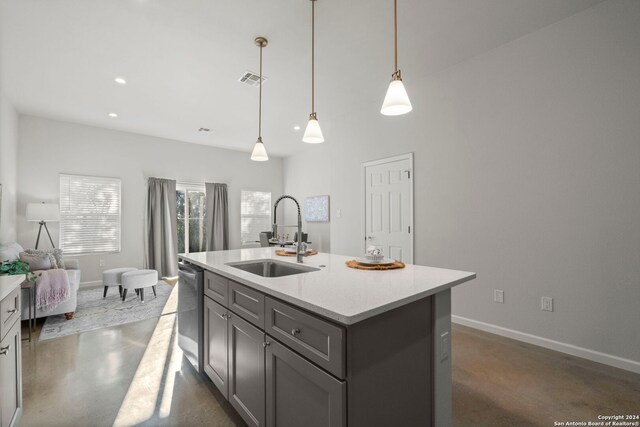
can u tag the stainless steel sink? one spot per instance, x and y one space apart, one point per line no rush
271 268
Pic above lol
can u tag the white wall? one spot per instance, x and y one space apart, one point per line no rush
8 168
8 157
311 178
48 148
527 171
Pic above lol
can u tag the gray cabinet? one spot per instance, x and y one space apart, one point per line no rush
246 370
282 366
215 344
301 394
247 303
215 287
10 359
234 360
10 384
316 339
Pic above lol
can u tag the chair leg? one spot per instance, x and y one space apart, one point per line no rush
104 295
124 295
154 290
120 290
69 315
142 294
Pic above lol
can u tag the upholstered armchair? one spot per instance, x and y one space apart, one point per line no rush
11 251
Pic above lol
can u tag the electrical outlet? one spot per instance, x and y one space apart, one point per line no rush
103 263
498 296
547 304
444 346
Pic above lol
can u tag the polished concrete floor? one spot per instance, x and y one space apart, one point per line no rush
135 375
501 382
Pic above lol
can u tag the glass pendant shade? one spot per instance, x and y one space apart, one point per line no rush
396 102
313 133
259 153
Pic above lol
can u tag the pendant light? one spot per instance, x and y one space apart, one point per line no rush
259 153
396 102
313 133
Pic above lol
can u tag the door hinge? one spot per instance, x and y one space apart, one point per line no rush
408 171
409 229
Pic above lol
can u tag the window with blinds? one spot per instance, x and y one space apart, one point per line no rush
255 215
89 214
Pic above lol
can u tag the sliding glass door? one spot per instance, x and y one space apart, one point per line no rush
191 228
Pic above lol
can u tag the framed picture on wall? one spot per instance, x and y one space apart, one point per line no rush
316 209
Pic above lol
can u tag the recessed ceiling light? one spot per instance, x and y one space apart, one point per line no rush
113 115
120 81
296 128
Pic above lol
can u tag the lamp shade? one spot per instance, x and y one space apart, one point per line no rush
48 212
313 133
259 153
396 102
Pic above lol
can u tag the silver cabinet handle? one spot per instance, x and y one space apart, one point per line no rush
295 332
5 350
12 310
265 344
222 316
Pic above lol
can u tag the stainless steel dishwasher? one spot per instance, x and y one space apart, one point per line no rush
190 314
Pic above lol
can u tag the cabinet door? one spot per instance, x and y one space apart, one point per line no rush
246 370
215 344
10 375
246 302
216 288
301 394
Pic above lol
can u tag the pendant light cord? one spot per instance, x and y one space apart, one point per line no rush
395 34
313 56
260 103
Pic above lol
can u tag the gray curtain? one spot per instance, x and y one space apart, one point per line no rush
162 227
217 217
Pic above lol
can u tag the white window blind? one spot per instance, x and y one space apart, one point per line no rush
89 214
255 215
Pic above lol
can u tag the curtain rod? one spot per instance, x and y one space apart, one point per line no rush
199 184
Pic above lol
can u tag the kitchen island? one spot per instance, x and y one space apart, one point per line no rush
330 345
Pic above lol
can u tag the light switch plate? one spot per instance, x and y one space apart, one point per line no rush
498 296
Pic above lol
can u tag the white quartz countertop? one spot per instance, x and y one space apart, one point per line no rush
336 291
9 283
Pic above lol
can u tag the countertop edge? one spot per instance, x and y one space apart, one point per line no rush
9 282
345 320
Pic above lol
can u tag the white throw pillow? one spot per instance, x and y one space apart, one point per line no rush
10 251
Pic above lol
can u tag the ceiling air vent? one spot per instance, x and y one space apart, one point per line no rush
251 79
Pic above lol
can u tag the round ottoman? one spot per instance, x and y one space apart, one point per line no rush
138 280
113 277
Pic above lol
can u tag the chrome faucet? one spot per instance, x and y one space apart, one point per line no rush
299 249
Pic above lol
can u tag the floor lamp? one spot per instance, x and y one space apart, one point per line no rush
41 213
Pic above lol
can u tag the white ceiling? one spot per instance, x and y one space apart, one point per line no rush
181 59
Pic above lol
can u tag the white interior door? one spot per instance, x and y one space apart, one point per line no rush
388 206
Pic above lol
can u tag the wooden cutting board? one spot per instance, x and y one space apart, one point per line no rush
355 264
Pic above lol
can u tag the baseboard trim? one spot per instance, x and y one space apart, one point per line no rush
90 284
585 353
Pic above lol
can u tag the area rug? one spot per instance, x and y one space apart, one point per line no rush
93 312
